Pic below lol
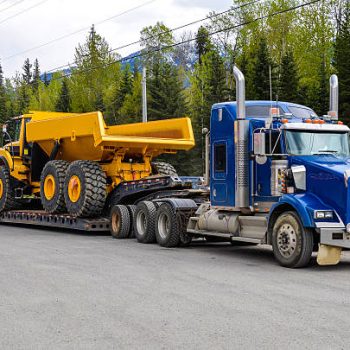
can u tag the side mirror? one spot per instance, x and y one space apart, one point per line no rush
259 144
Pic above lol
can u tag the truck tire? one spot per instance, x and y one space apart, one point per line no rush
168 227
132 210
162 168
119 221
52 186
291 242
144 222
85 189
7 193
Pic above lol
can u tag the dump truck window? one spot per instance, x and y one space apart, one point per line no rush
220 157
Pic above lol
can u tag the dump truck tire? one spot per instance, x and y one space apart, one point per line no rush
7 193
168 227
144 222
85 189
52 186
162 168
291 242
119 221
132 210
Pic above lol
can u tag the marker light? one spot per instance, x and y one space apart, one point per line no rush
284 121
308 121
340 123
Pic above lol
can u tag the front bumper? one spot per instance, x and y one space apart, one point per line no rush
334 236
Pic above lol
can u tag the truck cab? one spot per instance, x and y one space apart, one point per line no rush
279 175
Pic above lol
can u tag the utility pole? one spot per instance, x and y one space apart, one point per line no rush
144 95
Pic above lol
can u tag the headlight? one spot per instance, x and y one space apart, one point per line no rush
323 214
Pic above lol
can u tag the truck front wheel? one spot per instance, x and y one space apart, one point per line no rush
291 242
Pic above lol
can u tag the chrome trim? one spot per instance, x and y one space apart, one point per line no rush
333 96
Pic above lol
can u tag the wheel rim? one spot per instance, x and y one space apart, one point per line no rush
141 223
1 188
74 188
49 187
286 240
115 222
163 225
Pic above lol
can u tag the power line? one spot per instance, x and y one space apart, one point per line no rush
24 11
168 31
79 30
8 7
146 53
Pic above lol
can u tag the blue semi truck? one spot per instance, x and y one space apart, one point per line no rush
279 175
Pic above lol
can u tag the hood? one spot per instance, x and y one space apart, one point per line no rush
325 179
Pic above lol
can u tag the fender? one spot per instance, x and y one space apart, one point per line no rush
304 204
179 203
6 159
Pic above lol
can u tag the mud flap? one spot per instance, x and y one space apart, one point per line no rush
328 255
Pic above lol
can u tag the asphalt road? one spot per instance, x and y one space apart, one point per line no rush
62 290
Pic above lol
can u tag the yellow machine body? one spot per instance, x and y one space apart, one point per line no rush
123 151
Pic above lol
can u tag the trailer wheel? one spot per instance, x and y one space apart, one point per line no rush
132 210
119 221
292 243
162 168
7 194
144 222
52 186
85 189
168 226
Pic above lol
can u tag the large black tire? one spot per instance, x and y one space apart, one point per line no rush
52 186
7 193
132 210
292 243
119 221
168 227
144 222
91 197
162 168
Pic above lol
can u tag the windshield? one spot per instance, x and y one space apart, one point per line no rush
306 143
302 112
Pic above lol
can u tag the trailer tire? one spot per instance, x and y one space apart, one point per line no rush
7 194
132 210
162 168
292 243
52 186
168 226
85 189
119 221
144 222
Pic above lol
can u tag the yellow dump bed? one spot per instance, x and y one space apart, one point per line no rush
86 136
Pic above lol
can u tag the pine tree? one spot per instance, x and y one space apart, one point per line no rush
289 80
261 75
322 105
63 103
27 72
36 76
125 88
3 115
341 63
203 43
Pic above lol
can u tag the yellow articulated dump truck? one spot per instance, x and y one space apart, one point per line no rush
76 166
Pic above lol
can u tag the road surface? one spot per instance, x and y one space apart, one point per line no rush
63 290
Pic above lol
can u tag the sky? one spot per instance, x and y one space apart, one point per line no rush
25 24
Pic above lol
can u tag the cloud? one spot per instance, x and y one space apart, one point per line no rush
56 18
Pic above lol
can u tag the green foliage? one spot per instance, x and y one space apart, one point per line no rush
289 80
3 108
342 61
63 103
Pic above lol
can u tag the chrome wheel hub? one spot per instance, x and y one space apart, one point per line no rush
286 240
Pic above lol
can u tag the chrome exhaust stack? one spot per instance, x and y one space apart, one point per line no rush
333 97
241 137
